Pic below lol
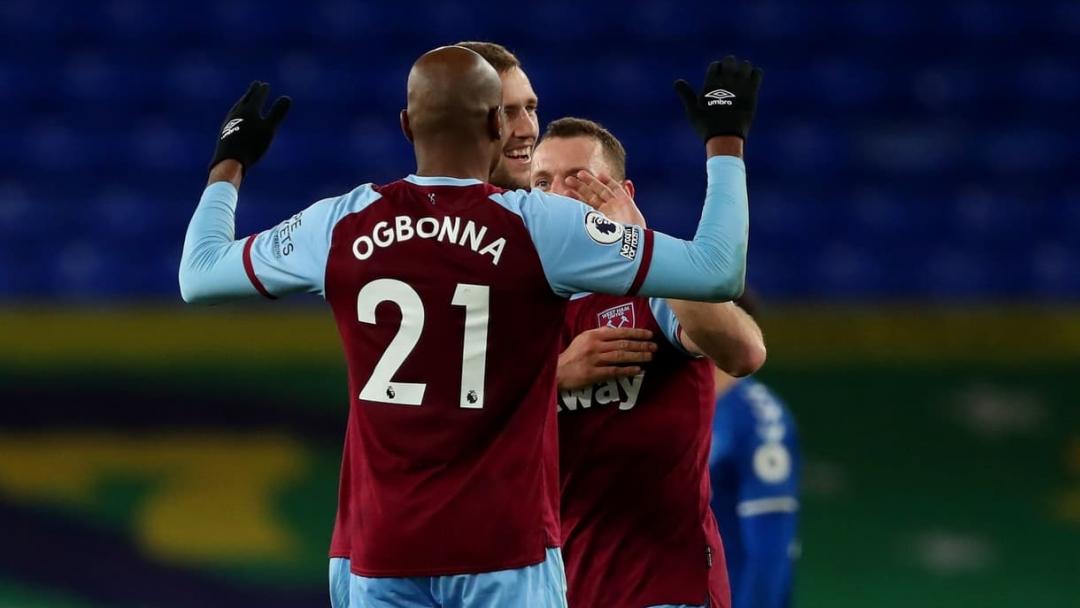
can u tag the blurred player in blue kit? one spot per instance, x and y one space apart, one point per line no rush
754 467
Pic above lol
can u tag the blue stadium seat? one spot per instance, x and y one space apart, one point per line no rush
883 128
1052 268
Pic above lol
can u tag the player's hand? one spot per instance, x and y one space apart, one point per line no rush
246 133
727 103
604 354
607 196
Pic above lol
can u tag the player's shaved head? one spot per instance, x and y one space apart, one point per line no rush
452 92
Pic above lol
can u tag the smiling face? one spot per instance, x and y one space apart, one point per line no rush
519 132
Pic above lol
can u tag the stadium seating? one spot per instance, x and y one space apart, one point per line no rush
933 163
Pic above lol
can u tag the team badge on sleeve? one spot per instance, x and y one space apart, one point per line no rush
617 316
602 230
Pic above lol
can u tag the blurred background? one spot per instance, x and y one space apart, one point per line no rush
915 207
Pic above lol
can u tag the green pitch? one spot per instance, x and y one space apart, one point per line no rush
942 483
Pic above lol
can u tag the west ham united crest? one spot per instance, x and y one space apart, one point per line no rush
617 316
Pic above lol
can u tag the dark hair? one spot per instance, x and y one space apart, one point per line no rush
497 55
579 127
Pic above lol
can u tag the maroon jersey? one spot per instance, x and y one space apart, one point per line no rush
636 526
449 296
450 311
438 487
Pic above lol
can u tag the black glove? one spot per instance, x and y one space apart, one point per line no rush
245 134
726 106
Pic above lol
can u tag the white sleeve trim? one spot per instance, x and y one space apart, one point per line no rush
762 506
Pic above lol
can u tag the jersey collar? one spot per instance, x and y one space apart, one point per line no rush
441 181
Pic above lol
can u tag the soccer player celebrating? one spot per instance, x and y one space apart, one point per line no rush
522 124
634 423
445 495
754 467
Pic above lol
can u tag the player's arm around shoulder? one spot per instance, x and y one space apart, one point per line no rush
722 332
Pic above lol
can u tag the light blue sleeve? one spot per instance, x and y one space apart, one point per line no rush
212 266
580 250
289 258
711 267
583 251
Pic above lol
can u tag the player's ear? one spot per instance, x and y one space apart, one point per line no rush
629 187
405 128
495 123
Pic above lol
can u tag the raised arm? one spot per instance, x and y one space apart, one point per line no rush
716 257
581 250
212 264
288 258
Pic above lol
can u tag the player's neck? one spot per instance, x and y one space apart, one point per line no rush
459 163
450 171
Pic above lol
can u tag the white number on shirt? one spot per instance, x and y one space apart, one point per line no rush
381 387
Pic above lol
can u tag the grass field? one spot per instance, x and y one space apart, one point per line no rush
932 481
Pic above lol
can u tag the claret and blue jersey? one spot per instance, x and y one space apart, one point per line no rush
637 530
449 296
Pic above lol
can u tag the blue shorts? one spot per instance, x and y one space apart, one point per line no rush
541 585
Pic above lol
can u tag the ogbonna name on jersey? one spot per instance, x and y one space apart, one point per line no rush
446 230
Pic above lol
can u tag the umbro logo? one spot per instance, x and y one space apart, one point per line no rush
719 97
231 127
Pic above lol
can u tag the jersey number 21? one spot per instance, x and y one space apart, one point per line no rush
381 387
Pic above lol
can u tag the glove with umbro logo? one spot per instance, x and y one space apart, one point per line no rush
245 135
726 105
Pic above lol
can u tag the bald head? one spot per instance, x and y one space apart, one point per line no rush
452 92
